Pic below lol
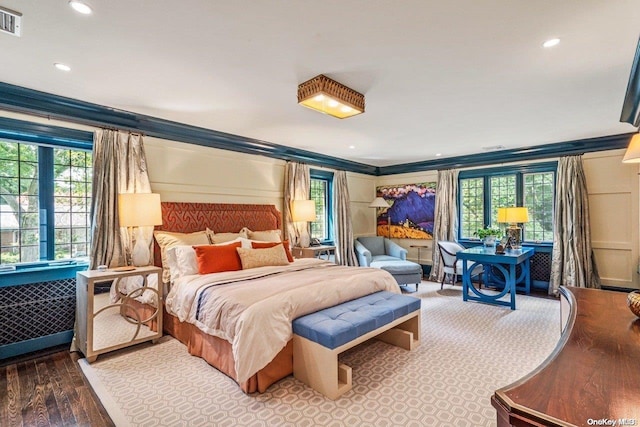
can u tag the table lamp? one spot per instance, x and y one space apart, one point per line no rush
303 212
138 210
514 216
379 202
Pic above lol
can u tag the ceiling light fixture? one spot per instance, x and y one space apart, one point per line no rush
81 7
62 67
330 97
551 43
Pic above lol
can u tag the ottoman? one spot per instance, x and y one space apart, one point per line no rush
404 272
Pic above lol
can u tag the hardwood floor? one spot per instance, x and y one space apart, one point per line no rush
48 389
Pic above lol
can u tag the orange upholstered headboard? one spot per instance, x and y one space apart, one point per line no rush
219 217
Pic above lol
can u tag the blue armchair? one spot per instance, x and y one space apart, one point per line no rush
382 253
375 249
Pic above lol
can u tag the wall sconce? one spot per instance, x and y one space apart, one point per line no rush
632 155
514 215
330 97
303 212
138 210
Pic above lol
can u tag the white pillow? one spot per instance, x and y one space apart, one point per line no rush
183 261
216 238
264 236
167 240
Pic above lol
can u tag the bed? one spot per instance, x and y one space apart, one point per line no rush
255 356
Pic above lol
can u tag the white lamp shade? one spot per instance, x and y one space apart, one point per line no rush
632 155
303 210
379 202
139 209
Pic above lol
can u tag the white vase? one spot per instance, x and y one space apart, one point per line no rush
489 241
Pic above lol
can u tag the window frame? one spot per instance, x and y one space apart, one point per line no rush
46 138
326 176
488 173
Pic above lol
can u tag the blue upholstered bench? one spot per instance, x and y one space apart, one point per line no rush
318 338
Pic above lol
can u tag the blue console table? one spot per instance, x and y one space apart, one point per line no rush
509 260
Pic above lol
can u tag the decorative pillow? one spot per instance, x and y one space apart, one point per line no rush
215 259
264 245
252 258
215 238
265 236
167 239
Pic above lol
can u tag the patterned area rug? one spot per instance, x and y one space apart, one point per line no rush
467 351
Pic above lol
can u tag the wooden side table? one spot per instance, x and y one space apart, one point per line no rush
100 325
314 252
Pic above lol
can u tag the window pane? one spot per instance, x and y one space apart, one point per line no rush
503 194
19 221
472 209
319 194
72 201
538 198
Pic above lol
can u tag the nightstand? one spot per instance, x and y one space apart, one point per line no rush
314 251
101 326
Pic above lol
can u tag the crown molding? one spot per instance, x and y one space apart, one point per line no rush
33 102
30 101
537 152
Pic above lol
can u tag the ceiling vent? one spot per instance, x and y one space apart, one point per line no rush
10 22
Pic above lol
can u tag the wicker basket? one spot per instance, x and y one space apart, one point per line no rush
633 301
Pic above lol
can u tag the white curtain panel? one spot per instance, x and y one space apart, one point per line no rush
345 255
572 263
445 226
297 185
119 166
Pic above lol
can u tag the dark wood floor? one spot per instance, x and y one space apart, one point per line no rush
48 389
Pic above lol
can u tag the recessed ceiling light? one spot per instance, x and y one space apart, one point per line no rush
438 154
551 42
62 67
81 7
352 147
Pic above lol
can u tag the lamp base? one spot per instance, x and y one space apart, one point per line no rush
140 254
514 233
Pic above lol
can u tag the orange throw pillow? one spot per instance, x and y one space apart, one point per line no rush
215 259
265 245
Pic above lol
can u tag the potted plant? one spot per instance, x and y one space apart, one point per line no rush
488 235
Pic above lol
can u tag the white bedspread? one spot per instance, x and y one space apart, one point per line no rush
253 309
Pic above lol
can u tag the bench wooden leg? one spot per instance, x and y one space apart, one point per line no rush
317 366
405 335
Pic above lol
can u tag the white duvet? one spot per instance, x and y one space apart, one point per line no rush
253 309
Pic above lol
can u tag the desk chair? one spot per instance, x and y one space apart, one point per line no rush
452 265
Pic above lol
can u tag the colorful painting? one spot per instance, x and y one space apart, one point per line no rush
410 213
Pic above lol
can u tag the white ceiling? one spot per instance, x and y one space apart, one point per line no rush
439 76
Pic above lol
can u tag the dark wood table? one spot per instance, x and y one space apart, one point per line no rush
593 375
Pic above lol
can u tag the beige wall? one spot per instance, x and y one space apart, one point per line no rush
613 208
186 172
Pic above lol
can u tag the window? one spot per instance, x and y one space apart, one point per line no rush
45 199
321 183
482 192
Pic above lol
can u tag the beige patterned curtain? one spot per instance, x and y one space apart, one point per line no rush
119 166
345 254
445 226
572 263
297 185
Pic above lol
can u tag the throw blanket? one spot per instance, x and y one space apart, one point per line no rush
253 309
